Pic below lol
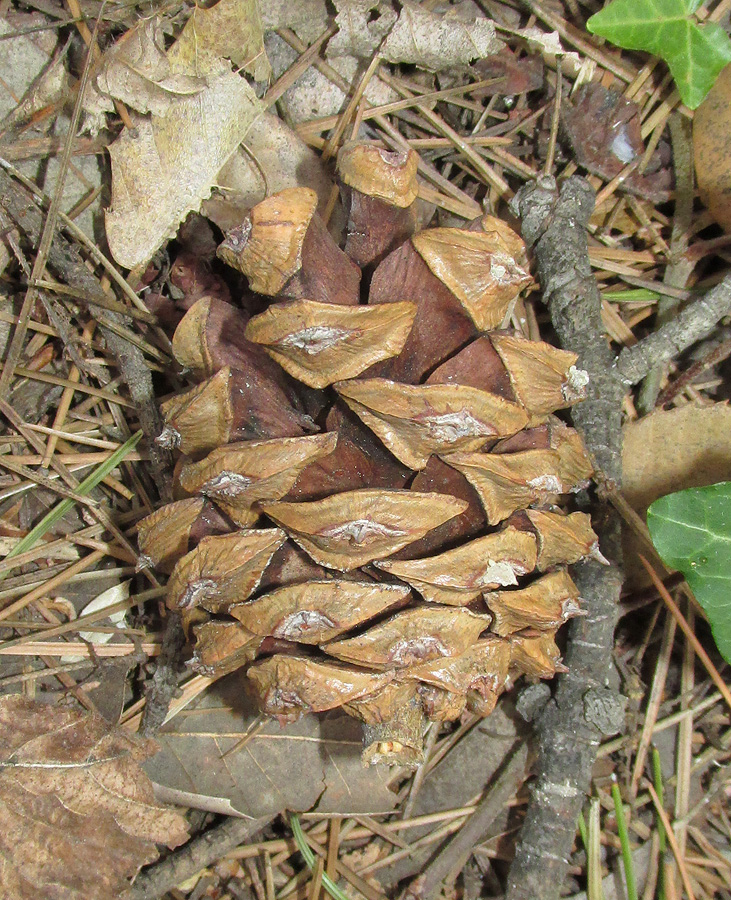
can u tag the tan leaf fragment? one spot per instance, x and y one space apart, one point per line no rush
321 343
222 647
563 539
317 611
412 636
222 570
289 686
137 71
537 657
162 537
510 481
459 576
711 147
437 42
159 171
545 604
544 378
477 270
74 801
348 530
267 246
237 476
481 670
414 421
231 29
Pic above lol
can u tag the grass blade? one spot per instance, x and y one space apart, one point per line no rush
629 871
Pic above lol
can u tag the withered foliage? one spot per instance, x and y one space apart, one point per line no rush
74 801
419 563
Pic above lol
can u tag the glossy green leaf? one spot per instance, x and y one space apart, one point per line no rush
695 53
691 531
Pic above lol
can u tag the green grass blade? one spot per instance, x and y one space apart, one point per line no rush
629 871
661 837
309 858
63 506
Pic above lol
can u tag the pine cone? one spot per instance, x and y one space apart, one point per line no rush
370 517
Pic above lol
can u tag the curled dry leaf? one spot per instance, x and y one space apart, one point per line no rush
237 476
74 800
222 570
536 656
292 685
321 343
228 406
510 481
412 636
137 71
477 268
348 530
461 575
414 421
544 378
317 611
545 604
223 647
158 173
228 30
562 539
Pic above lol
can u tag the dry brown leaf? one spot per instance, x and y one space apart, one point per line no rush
315 761
412 636
418 36
167 165
461 575
414 421
76 809
712 149
348 530
317 611
137 71
321 343
231 29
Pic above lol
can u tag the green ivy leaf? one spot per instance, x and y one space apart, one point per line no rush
694 53
691 531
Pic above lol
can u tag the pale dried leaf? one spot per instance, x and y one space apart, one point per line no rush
231 29
321 343
348 530
74 805
160 174
414 421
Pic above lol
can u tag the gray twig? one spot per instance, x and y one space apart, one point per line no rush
194 856
583 709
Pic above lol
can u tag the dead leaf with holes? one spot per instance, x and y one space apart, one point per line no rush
74 804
